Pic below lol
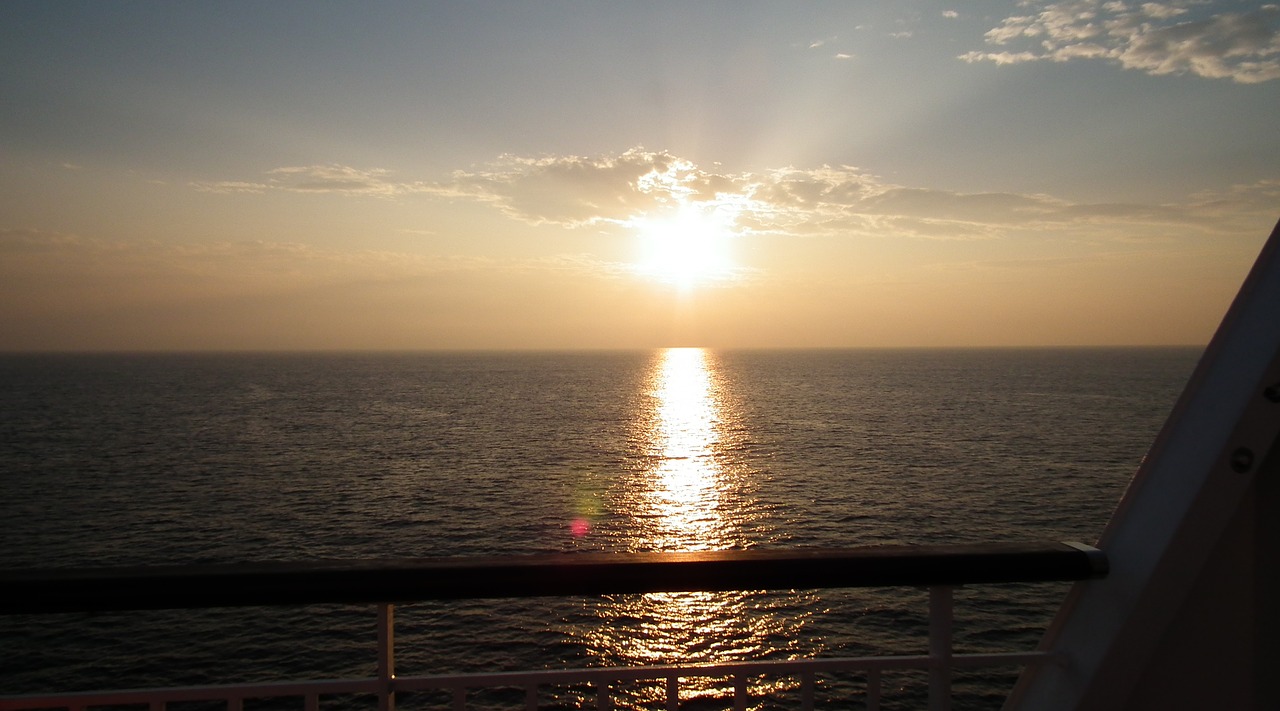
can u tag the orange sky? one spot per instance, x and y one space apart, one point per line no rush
279 177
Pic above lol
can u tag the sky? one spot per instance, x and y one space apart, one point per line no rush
566 175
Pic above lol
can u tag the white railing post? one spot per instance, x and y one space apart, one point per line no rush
386 656
940 624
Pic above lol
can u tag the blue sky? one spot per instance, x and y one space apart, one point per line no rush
497 175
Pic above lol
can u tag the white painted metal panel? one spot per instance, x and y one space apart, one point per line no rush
1195 484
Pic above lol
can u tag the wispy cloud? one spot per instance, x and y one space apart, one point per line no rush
338 179
829 45
841 200
578 190
331 178
231 186
33 241
617 190
1181 37
226 267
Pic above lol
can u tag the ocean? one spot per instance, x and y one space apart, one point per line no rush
134 459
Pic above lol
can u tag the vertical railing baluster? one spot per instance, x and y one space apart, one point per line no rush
386 656
739 692
808 680
673 693
940 627
873 690
235 703
156 705
459 698
603 701
531 698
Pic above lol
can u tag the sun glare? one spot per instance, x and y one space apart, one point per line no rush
690 246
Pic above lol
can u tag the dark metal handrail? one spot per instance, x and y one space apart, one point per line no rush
404 580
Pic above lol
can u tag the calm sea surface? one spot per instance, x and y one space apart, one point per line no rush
150 459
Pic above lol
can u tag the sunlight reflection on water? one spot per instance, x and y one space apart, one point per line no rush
684 501
242 457
690 496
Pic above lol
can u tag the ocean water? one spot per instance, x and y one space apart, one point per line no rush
158 459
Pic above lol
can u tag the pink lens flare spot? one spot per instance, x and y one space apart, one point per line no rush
580 527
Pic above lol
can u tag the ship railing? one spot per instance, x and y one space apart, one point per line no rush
940 569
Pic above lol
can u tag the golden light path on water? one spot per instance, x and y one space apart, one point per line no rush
690 495
684 502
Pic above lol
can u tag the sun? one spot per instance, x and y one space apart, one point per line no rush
689 246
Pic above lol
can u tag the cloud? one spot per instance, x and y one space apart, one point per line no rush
612 193
1157 38
338 179
332 178
950 14
232 186
26 240
567 190
270 265
578 191
60 290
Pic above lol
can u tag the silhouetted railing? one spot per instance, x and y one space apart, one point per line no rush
385 582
